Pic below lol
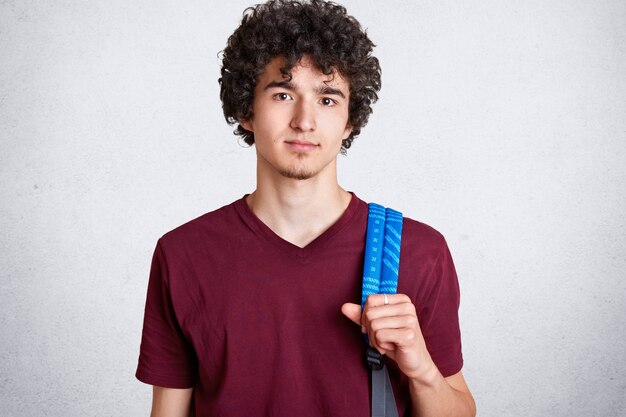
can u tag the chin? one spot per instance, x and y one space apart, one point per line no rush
297 174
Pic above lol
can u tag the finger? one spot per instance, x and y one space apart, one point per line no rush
373 343
373 313
353 312
376 300
387 347
400 338
383 332
394 322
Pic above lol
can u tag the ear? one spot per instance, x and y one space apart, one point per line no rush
347 131
246 124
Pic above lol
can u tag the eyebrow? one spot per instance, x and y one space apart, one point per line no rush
288 85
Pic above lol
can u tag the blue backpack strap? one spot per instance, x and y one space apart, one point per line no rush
391 252
380 276
372 263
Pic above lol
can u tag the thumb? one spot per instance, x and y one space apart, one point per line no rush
353 312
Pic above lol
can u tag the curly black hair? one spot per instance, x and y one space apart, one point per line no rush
290 29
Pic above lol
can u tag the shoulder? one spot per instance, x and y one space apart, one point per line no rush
427 270
421 239
209 226
420 242
425 257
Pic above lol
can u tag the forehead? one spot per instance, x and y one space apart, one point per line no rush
305 70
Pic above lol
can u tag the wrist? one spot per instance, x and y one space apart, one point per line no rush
428 377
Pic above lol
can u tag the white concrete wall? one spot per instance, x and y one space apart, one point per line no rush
501 123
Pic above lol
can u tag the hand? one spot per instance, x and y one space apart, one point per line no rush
394 330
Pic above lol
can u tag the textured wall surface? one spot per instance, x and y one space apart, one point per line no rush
503 123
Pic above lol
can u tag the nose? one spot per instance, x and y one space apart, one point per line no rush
303 118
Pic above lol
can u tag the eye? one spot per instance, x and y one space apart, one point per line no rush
282 96
328 102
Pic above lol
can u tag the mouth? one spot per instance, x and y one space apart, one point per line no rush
300 145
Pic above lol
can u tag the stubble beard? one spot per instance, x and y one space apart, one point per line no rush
300 173
297 175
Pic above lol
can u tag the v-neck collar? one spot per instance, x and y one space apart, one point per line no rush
289 248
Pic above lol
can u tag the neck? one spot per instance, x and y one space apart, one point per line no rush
298 210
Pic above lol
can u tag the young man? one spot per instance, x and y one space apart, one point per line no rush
250 308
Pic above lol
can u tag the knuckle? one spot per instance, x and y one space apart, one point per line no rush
371 299
374 326
379 336
375 336
409 308
404 298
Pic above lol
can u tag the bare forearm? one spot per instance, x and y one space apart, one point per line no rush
438 398
171 402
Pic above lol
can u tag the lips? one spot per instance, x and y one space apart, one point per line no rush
301 145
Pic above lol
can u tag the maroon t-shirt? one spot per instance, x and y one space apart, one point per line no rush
254 323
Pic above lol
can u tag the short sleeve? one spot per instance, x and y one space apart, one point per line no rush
439 317
166 357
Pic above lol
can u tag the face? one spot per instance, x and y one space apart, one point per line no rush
298 125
